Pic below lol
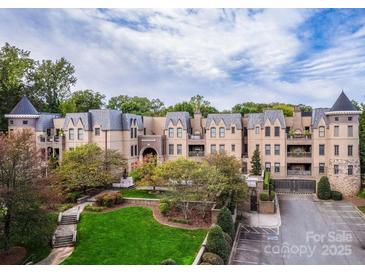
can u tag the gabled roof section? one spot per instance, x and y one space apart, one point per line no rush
227 118
175 117
84 117
23 108
342 103
45 121
129 119
317 115
108 119
271 115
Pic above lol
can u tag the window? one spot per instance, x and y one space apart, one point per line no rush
257 147
336 119
25 122
337 150
321 132
268 166
213 148
171 149
135 132
221 148
257 130
233 148
245 131
350 132
221 132
277 131
336 132
335 169
233 130
171 132
349 150
267 149
179 132
267 131
321 150
277 167
71 148
71 134
144 131
135 150
132 151
321 168
350 170
97 131
49 131
179 149
349 118
80 134
213 132
277 149
132 133
11 122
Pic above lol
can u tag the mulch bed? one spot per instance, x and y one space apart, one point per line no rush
15 255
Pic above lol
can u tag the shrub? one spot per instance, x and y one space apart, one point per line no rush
168 262
266 180
212 258
264 196
164 208
225 221
109 199
362 193
228 238
91 208
63 207
324 189
336 195
71 197
216 243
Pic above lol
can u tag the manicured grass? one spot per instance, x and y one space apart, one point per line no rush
362 208
132 236
141 193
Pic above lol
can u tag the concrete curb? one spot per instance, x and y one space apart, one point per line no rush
201 251
234 245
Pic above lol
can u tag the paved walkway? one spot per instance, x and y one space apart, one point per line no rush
58 255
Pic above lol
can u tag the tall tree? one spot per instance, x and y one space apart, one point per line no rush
361 107
87 166
20 188
205 106
256 163
82 101
52 82
15 66
146 172
136 105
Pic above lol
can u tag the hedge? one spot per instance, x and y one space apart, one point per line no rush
336 195
324 189
264 196
217 244
212 258
224 220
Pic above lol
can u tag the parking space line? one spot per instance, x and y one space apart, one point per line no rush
249 250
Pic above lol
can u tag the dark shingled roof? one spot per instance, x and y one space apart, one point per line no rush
84 117
317 115
227 118
24 107
342 103
175 117
128 119
45 121
260 118
108 119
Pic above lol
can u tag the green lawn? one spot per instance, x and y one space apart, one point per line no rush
140 193
362 208
132 236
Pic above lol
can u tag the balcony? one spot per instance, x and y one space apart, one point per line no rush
196 139
196 153
299 172
299 154
51 139
299 139
299 136
196 136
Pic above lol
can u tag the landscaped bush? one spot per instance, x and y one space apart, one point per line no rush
63 207
228 238
266 180
71 197
336 195
217 244
324 189
225 221
168 262
212 258
264 196
362 193
91 208
164 208
109 199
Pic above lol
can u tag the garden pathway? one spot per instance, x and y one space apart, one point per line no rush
58 255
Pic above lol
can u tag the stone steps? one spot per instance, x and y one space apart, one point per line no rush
68 220
63 241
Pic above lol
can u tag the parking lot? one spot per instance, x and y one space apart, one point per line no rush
312 232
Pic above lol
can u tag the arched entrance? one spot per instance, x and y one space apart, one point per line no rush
149 151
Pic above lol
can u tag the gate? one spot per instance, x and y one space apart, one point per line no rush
253 199
295 186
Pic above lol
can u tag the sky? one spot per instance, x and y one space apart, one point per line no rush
229 56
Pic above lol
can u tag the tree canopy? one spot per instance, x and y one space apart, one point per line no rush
82 101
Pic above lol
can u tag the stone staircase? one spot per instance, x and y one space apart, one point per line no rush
63 241
69 219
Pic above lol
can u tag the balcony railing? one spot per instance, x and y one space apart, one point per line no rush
49 139
299 172
299 154
299 136
196 137
196 153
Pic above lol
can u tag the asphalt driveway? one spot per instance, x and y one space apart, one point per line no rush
312 232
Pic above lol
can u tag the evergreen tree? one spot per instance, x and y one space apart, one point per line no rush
256 163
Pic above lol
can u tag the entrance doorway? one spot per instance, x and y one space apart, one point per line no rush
253 200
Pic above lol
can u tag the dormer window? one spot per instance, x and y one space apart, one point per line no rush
179 132
321 132
221 132
349 118
213 132
71 134
171 132
233 130
267 131
80 134
257 130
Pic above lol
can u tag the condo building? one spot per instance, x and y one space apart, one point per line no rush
296 150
